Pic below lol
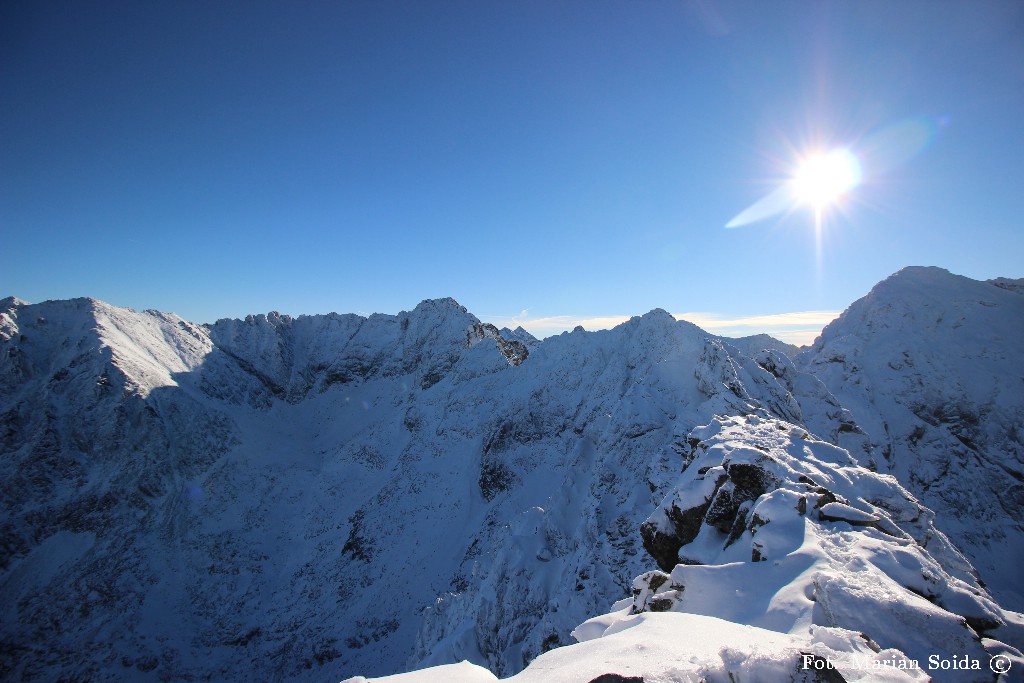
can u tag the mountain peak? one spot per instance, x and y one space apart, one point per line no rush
926 367
10 302
441 304
921 272
656 317
658 314
931 281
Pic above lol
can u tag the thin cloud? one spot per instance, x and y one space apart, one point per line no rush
800 327
714 321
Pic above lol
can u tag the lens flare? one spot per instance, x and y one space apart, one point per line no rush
826 178
820 179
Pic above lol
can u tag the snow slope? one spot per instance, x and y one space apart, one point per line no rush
931 366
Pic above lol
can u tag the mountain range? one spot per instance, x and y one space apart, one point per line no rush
328 496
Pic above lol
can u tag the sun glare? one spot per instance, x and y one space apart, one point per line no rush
823 179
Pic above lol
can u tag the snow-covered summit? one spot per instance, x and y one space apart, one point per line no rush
930 366
520 335
10 302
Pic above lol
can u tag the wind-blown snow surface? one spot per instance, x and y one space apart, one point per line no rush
931 365
322 496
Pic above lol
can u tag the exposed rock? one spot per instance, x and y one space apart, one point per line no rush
858 564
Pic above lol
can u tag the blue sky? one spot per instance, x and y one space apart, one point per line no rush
544 163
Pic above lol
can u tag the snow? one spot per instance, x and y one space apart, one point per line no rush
463 672
689 647
316 497
839 511
692 648
929 367
824 591
781 568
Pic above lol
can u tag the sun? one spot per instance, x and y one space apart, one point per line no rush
819 179
823 179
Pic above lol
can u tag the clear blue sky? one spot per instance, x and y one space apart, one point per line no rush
562 159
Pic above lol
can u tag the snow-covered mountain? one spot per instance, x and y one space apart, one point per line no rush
931 365
315 497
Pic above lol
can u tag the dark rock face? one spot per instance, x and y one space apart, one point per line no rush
734 489
750 480
495 477
513 350
664 547
616 678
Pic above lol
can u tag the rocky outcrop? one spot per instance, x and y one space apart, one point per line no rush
825 542
513 349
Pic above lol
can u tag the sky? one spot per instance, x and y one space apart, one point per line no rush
544 163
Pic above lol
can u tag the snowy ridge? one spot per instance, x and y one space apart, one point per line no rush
315 497
826 542
930 366
568 465
756 343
